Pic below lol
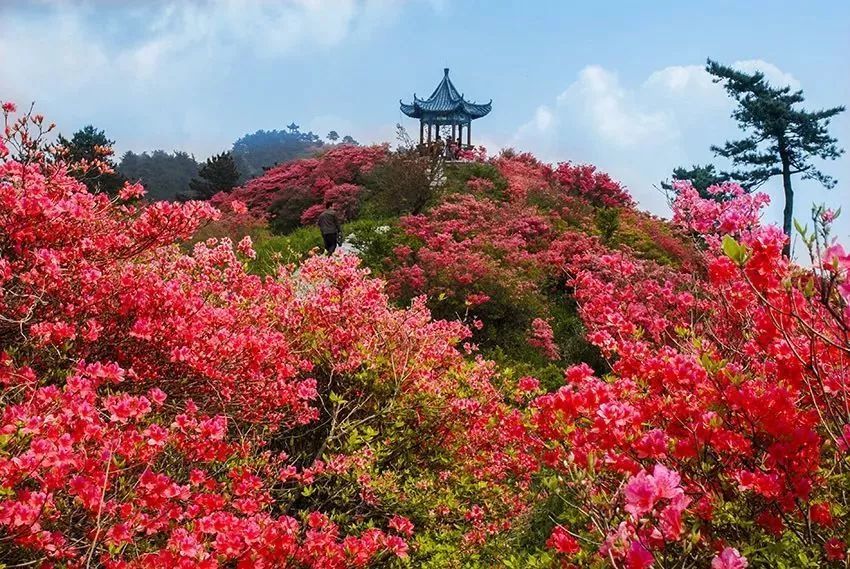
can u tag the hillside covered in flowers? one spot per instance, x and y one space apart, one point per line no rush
509 364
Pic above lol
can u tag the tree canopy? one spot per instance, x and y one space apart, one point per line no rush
701 178
165 175
782 138
91 151
254 153
217 174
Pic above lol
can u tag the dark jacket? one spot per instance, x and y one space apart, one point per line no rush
328 222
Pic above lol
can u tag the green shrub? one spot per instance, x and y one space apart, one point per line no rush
285 213
272 250
405 183
374 241
458 174
607 221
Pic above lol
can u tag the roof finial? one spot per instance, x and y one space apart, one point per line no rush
446 71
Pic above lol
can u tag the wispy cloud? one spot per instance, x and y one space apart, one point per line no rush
640 132
162 59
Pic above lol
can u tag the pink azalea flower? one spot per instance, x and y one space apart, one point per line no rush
640 494
729 558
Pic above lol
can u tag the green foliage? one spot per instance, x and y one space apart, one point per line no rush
570 332
374 241
459 174
404 183
734 250
90 145
261 150
701 178
217 174
783 138
651 238
164 175
607 220
285 213
785 551
273 250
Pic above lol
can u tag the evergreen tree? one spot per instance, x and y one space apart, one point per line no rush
165 175
88 148
333 136
348 139
263 149
701 178
217 174
783 138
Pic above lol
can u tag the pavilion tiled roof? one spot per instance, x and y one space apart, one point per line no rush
445 104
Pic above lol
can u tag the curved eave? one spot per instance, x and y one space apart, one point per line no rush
410 110
460 110
476 111
460 105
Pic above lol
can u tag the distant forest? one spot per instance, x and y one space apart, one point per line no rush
179 175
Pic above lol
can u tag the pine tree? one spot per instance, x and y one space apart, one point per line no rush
217 174
701 178
89 151
783 138
333 136
165 175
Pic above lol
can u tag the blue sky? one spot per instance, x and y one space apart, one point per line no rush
619 84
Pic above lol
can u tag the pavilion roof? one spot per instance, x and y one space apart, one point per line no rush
445 103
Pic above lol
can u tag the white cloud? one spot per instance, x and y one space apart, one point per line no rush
543 118
150 67
639 133
773 74
680 78
614 113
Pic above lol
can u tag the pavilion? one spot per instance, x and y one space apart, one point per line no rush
445 107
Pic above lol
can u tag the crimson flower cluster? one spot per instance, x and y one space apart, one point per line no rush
155 402
333 175
726 405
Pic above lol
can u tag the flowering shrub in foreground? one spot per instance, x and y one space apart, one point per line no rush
720 435
161 408
164 407
303 185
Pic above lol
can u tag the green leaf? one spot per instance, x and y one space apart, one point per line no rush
734 250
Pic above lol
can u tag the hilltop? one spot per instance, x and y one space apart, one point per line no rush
511 366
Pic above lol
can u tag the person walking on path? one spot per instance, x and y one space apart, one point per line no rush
328 223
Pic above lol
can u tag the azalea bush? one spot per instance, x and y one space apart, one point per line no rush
180 388
719 436
491 252
294 193
164 408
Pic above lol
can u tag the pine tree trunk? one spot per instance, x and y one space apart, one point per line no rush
788 212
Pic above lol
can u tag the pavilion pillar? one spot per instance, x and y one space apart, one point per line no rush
421 132
469 133
454 128
429 133
460 134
